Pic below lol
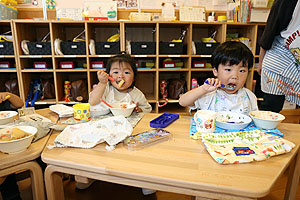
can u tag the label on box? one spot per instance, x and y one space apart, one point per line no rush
98 65
67 66
40 65
199 65
169 65
143 46
74 46
107 46
1 46
39 46
208 45
4 65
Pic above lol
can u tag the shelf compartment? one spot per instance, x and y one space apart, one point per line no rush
66 63
145 63
61 77
145 81
28 77
5 76
169 32
7 62
173 63
33 32
6 48
36 63
142 38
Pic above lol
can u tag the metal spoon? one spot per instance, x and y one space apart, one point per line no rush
228 87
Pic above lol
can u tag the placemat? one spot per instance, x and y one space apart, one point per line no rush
197 135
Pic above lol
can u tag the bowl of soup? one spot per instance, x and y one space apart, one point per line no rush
7 117
124 109
16 139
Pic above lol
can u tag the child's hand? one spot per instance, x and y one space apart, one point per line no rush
102 77
214 83
4 96
137 108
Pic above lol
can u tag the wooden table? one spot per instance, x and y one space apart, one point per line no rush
12 163
180 165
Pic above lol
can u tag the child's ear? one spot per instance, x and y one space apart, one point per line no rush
215 71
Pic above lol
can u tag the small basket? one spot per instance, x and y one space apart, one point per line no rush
170 48
206 48
143 48
73 48
39 48
107 48
6 48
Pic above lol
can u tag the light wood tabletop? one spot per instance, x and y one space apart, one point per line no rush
34 150
180 165
24 161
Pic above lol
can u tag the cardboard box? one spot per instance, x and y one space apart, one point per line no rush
259 15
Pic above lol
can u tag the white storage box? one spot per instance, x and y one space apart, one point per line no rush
259 15
260 3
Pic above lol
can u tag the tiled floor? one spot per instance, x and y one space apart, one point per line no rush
110 191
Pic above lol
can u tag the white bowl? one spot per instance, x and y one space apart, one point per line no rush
95 113
266 119
117 109
19 145
7 117
231 120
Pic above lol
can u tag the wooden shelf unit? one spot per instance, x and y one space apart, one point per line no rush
147 80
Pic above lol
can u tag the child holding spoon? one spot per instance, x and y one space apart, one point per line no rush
121 71
231 63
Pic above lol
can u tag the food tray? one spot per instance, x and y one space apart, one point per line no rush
147 138
164 120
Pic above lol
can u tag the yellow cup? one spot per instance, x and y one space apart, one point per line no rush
82 112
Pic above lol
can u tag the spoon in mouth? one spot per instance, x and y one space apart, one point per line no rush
228 87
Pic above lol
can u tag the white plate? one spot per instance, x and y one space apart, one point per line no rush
231 120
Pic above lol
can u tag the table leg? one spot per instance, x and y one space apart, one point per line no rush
37 183
54 183
293 178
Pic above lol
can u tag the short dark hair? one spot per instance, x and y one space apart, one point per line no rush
123 58
232 52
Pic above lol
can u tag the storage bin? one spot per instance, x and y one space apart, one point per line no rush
73 48
39 48
6 48
171 48
143 48
107 48
205 48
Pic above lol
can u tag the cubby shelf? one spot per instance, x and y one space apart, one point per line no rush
148 79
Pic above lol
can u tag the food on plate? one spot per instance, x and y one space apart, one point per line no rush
228 119
124 106
12 134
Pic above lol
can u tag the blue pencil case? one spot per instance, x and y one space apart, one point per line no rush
164 120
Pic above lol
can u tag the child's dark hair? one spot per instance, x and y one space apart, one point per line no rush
123 58
232 53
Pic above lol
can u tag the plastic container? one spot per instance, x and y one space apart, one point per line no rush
146 139
206 48
171 48
73 48
164 120
107 48
6 48
143 48
39 48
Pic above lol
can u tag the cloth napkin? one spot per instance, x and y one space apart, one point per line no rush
87 135
244 146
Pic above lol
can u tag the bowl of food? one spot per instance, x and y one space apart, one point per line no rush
266 119
232 120
124 109
7 117
16 139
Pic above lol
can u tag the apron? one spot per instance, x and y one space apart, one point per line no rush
113 98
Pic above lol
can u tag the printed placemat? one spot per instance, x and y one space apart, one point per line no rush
244 146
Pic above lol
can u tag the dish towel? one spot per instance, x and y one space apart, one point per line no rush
197 135
244 146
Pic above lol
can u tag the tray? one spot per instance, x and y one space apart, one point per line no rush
148 138
164 120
